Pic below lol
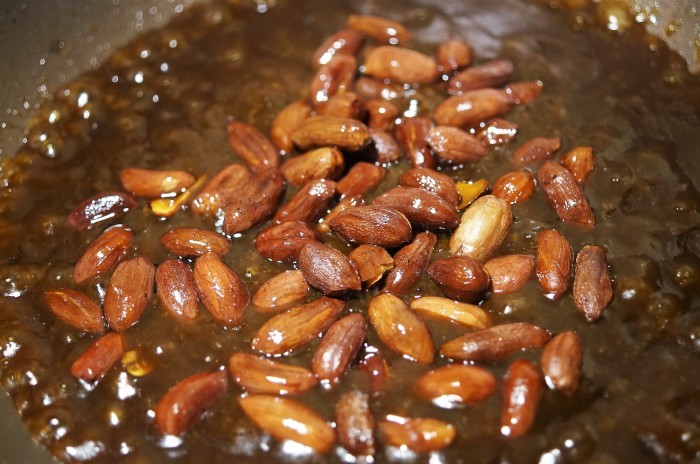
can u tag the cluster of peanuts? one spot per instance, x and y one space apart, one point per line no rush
349 133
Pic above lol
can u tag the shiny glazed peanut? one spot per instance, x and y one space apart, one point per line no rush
482 229
129 292
99 358
262 375
221 289
76 309
190 241
176 288
149 183
522 391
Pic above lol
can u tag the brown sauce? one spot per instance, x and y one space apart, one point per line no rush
163 102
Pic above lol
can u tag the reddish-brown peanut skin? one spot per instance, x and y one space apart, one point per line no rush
522 391
373 225
190 241
460 277
328 269
219 191
471 107
497 132
409 263
221 289
383 30
455 385
360 179
496 342
76 309
343 42
339 348
105 252
253 146
536 150
256 374
101 208
565 195
561 362
176 288
580 162
253 202
453 55
147 183
185 402
377 370
308 203
509 273
433 181
286 122
553 262
129 292
283 242
514 187
332 78
355 423
494 73
94 363
412 136
400 64
592 285
422 208
386 148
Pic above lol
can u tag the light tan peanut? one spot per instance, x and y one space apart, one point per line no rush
190 241
221 289
286 419
320 163
509 273
536 150
386 149
328 270
400 65
495 343
471 107
468 315
344 42
99 358
253 202
176 288
423 209
371 263
409 263
482 229
217 193
382 114
383 30
580 162
460 277
592 285
497 132
258 152
101 208
283 242
455 385
564 194
129 292
284 289
522 93
360 179
412 136
373 225
105 252
149 183
308 203
333 78
297 326
185 402
522 391
452 145
453 55
76 309
286 123
261 375
561 362
400 329
514 187
433 181
420 434
553 262
494 73
355 423
338 349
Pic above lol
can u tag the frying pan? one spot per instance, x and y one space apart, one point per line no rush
45 44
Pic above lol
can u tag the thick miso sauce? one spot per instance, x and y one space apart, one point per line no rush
163 103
